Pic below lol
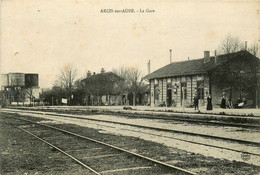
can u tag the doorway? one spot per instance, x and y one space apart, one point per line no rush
183 93
169 97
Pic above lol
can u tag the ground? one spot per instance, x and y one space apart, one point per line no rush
22 154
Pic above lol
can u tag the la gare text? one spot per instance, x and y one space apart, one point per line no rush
127 11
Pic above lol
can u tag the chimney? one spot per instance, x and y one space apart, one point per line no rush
245 45
170 55
215 56
88 74
149 66
102 71
206 56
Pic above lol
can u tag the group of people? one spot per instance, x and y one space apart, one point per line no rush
224 103
240 103
209 102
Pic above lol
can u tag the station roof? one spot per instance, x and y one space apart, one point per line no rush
193 67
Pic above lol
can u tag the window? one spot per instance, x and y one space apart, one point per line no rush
169 86
200 89
155 81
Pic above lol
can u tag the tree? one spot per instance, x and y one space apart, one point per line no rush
29 93
134 78
253 49
124 84
79 93
230 44
53 96
66 79
133 81
236 75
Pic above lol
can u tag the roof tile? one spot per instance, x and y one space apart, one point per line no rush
191 67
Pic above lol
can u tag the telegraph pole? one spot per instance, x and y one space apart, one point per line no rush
170 55
256 93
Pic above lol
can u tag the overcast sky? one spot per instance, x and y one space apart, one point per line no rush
42 36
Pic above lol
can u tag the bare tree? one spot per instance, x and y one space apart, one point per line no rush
237 76
124 85
135 81
134 76
66 79
230 44
29 93
23 95
253 49
122 72
132 80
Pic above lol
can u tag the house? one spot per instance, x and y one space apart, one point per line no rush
232 76
102 88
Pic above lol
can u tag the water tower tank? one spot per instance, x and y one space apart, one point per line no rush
16 79
4 80
31 80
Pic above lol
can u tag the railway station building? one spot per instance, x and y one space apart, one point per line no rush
230 76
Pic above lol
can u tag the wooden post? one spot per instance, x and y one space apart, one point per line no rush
256 95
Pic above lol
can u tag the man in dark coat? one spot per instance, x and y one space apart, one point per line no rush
209 104
196 102
223 102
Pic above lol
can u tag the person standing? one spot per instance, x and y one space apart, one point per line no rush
223 102
230 105
209 104
196 102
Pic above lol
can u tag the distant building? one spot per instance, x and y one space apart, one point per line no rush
102 88
234 76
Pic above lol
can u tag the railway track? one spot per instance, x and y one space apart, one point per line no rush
223 146
149 127
96 156
166 118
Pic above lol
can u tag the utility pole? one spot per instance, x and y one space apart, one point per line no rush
256 93
257 100
170 55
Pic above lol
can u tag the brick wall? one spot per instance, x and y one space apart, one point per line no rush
178 91
176 97
189 90
152 92
164 96
161 90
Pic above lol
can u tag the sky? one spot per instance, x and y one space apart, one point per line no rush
43 36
